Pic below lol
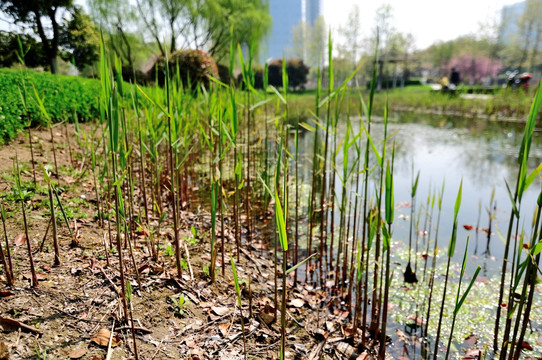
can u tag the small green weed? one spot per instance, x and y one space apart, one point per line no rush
181 305
168 251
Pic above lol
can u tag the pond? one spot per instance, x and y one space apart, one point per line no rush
480 154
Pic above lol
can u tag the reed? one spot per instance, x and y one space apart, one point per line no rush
522 183
6 259
451 250
53 216
21 199
153 143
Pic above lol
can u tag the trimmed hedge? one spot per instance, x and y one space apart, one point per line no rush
63 96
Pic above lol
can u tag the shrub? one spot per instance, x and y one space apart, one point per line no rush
224 73
134 77
258 78
275 73
296 69
193 65
297 73
63 97
9 50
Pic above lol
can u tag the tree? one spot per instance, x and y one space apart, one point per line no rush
297 73
384 28
309 42
207 25
530 30
490 33
400 46
81 40
10 50
37 13
351 34
116 19
520 35
475 68
163 17
245 22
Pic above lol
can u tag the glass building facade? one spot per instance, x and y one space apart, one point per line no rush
287 14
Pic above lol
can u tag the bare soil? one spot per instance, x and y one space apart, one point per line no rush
75 305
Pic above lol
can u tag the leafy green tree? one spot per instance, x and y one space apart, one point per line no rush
205 25
116 18
249 20
530 33
37 13
81 40
351 33
310 42
171 17
10 50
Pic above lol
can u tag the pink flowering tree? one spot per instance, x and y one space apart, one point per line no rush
475 69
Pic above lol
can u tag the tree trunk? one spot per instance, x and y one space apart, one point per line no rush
53 64
173 37
128 49
50 47
45 44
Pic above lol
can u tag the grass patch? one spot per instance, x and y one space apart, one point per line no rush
64 98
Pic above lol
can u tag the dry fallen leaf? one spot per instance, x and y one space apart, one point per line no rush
346 349
525 345
471 340
224 328
6 293
417 321
320 334
39 276
401 335
297 302
473 354
102 338
78 353
20 240
220 310
4 353
14 325
268 314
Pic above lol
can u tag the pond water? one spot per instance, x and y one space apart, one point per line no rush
480 153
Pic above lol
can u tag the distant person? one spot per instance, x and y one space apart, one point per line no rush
444 82
455 79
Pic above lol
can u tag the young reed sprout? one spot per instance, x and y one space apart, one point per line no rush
459 301
451 251
21 197
522 183
239 303
53 216
6 259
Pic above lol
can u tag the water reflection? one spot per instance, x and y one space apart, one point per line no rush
483 154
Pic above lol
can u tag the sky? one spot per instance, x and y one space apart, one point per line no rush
428 20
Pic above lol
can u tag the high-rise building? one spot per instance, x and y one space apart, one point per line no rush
510 15
313 9
287 14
